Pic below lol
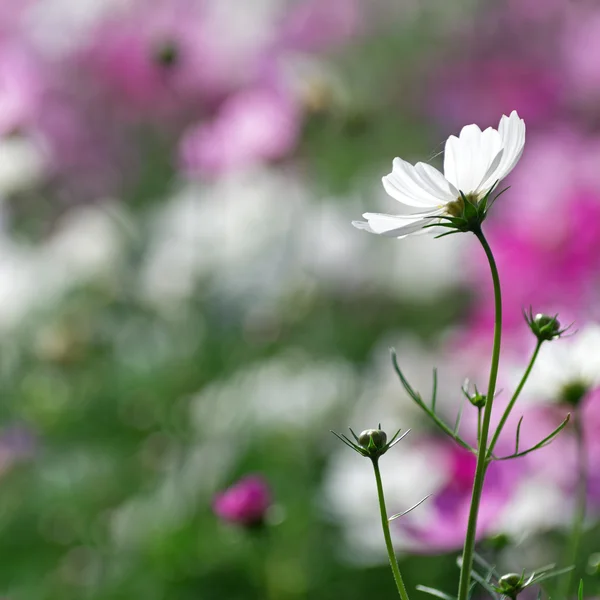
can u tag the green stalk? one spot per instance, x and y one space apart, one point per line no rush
385 524
579 516
514 397
482 462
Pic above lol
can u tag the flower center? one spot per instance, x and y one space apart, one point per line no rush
456 208
574 391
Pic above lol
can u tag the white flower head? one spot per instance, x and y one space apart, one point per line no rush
474 162
566 369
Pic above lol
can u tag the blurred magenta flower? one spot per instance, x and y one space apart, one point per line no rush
480 90
252 126
581 51
474 163
244 503
591 426
546 234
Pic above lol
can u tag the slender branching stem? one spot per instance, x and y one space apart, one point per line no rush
482 460
511 404
581 501
386 534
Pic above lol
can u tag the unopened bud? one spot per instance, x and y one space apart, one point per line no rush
544 327
511 585
478 400
374 441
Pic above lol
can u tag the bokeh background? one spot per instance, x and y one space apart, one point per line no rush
183 301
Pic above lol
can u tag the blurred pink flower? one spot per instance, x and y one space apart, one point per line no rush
447 511
161 57
314 25
21 87
480 90
254 125
581 53
244 503
537 11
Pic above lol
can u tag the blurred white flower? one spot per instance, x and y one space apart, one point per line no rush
22 164
85 245
215 236
473 163
565 366
288 390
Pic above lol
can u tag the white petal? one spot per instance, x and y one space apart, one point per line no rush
467 158
406 185
512 133
362 225
437 183
396 225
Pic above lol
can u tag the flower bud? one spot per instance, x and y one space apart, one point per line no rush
511 585
478 400
544 327
374 441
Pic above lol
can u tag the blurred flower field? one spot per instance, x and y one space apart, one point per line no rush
186 310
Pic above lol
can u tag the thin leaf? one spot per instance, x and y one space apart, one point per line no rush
434 390
434 592
345 440
397 516
545 576
354 435
394 436
485 584
518 435
441 235
498 196
419 401
580 590
477 558
459 417
540 444
394 442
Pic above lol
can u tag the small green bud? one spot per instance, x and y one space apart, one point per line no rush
544 327
511 585
574 392
547 327
478 400
371 443
374 441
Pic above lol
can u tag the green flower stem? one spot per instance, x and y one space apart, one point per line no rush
482 461
511 404
579 516
386 534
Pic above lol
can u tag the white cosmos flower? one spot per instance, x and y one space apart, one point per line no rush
473 164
